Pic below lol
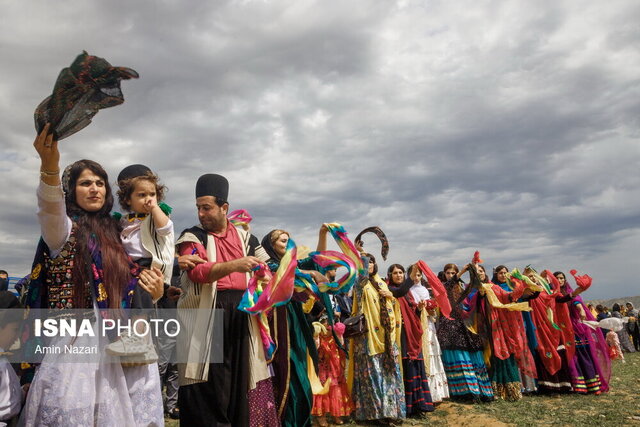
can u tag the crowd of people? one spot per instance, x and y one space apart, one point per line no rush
382 349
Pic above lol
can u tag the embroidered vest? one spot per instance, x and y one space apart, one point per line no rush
60 289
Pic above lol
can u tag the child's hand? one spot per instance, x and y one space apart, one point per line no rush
150 205
173 293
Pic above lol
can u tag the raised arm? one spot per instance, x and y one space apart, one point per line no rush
55 225
322 238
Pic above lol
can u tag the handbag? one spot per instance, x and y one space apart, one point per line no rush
355 326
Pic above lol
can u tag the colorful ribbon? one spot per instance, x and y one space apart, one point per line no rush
328 260
266 290
239 217
346 246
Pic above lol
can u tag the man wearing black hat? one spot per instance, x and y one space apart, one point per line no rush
217 393
4 280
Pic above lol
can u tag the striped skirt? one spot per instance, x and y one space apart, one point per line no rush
467 374
416 387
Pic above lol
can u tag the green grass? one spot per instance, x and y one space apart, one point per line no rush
618 407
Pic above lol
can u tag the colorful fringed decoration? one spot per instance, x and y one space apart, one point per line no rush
583 282
332 259
476 258
239 218
266 290
346 246
439 292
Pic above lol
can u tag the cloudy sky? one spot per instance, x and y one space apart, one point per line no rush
507 127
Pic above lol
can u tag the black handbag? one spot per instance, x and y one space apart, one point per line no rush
355 326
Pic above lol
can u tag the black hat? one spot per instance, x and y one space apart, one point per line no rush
133 171
212 184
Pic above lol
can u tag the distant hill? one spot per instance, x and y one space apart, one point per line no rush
609 302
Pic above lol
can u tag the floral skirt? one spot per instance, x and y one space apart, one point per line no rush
377 394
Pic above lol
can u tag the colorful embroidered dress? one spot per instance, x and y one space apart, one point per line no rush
591 366
331 367
510 350
414 366
92 392
462 351
374 369
556 344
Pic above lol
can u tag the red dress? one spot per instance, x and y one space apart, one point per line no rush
331 363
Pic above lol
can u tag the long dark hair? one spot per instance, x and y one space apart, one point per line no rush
390 270
375 264
494 278
98 227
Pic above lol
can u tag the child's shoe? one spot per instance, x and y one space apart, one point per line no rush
128 345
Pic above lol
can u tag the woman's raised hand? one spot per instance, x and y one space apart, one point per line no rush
47 147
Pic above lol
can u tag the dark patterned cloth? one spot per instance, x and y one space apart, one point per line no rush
452 333
88 85
383 239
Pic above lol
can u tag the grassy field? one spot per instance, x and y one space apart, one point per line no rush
621 406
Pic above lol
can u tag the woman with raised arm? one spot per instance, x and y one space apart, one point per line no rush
374 357
462 349
509 350
80 263
591 366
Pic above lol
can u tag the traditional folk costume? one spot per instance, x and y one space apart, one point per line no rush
374 359
510 351
145 243
294 339
555 338
591 366
462 351
238 390
87 393
331 372
415 345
